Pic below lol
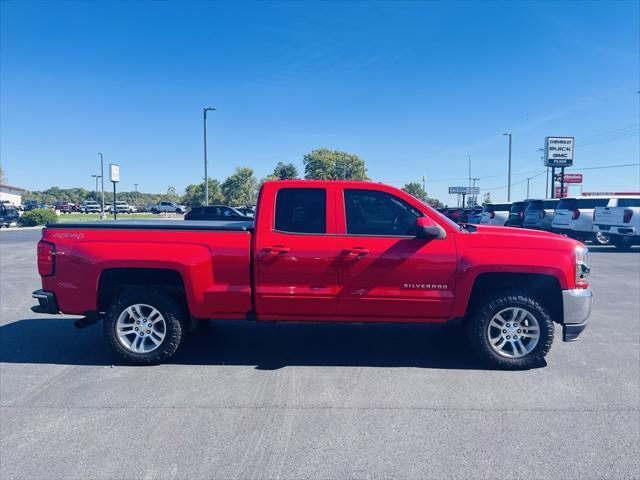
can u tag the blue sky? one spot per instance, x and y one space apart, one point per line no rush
413 88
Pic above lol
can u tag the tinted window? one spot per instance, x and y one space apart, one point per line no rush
550 204
370 212
592 202
534 205
518 207
629 202
301 210
567 204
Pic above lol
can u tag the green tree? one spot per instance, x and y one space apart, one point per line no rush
2 179
240 188
325 164
416 190
285 171
194 194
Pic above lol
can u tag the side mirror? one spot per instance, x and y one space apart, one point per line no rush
427 228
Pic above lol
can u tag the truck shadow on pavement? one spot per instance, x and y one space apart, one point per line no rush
265 346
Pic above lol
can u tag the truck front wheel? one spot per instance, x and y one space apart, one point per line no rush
511 330
145 326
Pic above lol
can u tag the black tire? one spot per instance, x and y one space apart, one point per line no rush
478 323
622 243
177 324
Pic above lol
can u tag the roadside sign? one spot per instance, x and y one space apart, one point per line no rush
465 190
572 178
565 192
559 151
114 172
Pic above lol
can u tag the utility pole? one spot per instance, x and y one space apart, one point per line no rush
424 186
206 175
528 178
102 215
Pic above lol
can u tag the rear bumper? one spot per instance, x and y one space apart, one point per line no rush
576 305
46 302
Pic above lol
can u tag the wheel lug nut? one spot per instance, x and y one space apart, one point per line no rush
519 330
141 334
515 337
508 337
136 329
138 322
149 325
148 331
507 325
504 331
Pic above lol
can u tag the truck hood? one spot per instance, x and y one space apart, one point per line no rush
509 237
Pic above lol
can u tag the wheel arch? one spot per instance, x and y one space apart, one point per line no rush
545 288
113 281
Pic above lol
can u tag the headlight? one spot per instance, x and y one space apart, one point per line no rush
582 269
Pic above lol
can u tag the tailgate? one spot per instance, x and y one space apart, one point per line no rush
609 216
562 217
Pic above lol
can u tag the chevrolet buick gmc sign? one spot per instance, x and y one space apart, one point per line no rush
559 152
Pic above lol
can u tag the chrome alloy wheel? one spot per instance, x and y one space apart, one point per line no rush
141 328
603 238
513 332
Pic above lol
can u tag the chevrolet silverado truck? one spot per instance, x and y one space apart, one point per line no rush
318 251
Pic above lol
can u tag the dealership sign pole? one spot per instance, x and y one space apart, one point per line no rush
558 154
114 176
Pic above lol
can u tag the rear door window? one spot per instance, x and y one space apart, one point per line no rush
301 210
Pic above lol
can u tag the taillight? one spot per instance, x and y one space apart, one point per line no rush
46 258
521 213
492 215
626 216
576 214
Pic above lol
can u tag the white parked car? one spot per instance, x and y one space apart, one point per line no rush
574 218
121 207
166 207
495 214
620 220
90 206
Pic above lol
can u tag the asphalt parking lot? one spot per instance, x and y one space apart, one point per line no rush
246 401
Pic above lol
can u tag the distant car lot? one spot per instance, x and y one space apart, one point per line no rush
299 401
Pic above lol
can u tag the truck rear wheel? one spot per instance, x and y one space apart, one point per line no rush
145 326
511 330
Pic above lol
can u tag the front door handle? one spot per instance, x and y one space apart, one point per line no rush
277 249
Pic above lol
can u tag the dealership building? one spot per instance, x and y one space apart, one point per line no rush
11 194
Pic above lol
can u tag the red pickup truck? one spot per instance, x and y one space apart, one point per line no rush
318 251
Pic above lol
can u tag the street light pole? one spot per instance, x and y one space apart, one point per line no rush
206 175
102 216
509 174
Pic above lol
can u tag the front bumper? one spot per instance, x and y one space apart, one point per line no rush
576 305
46 302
